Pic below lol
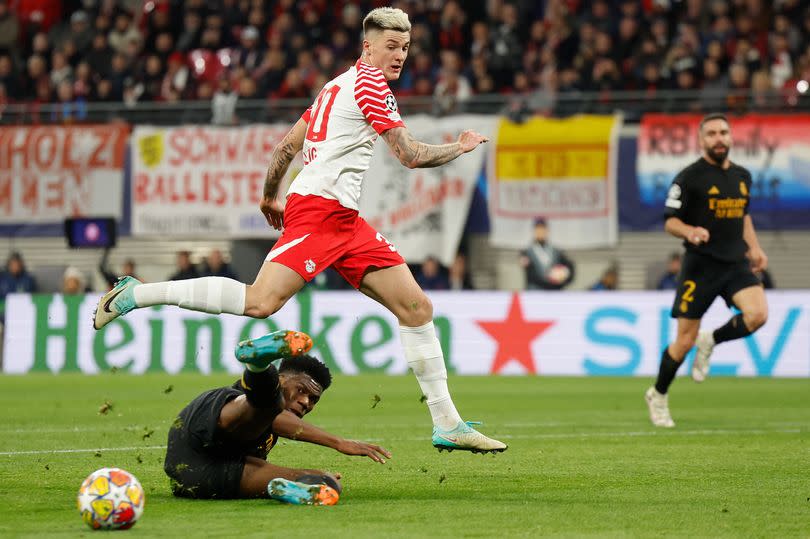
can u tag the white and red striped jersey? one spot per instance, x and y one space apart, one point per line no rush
343 124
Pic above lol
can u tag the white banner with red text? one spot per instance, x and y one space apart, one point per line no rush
48 173
208 181
542 333
202 181
563 170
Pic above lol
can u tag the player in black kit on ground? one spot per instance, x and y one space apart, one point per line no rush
707 206
218 444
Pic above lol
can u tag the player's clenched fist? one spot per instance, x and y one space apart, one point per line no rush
469 140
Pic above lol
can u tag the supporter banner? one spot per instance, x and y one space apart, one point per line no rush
207 181
578 333
202 181
774 148
560 169
48 173
422 211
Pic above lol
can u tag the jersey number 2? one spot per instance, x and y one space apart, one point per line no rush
319 119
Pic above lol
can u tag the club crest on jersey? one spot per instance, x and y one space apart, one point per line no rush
391 103
743 189
309 265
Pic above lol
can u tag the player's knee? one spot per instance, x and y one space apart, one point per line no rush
418 312
755 319
263 308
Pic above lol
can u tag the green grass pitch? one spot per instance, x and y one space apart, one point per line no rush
583 459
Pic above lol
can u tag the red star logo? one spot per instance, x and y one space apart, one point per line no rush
514 336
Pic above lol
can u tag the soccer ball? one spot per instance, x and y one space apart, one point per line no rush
110 498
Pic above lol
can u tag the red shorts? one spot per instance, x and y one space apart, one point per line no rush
319 233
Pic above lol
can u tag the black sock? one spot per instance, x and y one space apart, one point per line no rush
666 372
263 389
734 329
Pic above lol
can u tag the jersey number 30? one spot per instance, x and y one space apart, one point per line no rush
319 119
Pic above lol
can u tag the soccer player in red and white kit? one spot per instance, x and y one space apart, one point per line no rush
322 227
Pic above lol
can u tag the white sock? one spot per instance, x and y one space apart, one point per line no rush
212 295
424 355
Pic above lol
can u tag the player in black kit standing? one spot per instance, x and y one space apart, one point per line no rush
707 206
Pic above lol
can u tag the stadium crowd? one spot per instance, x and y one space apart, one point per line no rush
72 52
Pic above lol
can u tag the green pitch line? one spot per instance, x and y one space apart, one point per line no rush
583 459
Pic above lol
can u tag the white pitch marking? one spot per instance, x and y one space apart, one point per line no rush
625 434
93 450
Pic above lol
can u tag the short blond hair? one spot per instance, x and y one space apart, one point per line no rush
386 18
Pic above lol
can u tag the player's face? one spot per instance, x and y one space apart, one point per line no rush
301 393
387 51
715 140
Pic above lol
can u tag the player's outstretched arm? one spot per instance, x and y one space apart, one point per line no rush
280 160
415 154
288 425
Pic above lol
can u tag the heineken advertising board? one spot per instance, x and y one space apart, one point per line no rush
576 333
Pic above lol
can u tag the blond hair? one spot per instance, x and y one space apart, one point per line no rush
386 18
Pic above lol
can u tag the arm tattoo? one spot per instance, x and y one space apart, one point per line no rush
282 156
415 154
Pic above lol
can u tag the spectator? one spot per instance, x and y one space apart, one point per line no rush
715 86
431 275
70 108
506 48
738 87
459 277
215 266
82 83
293 86
120 73
103 91
152 78
40 45
7 76
546 267
36 74
176 78
15 278
480 42
763 96
185 269
99 57
781 61
669 280
271 72
60 69
9 28
192 30
452 90
223 104
249 55
73 281
127 269
123 33
600 45
609 279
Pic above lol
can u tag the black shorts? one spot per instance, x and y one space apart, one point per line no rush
703 278
195 462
